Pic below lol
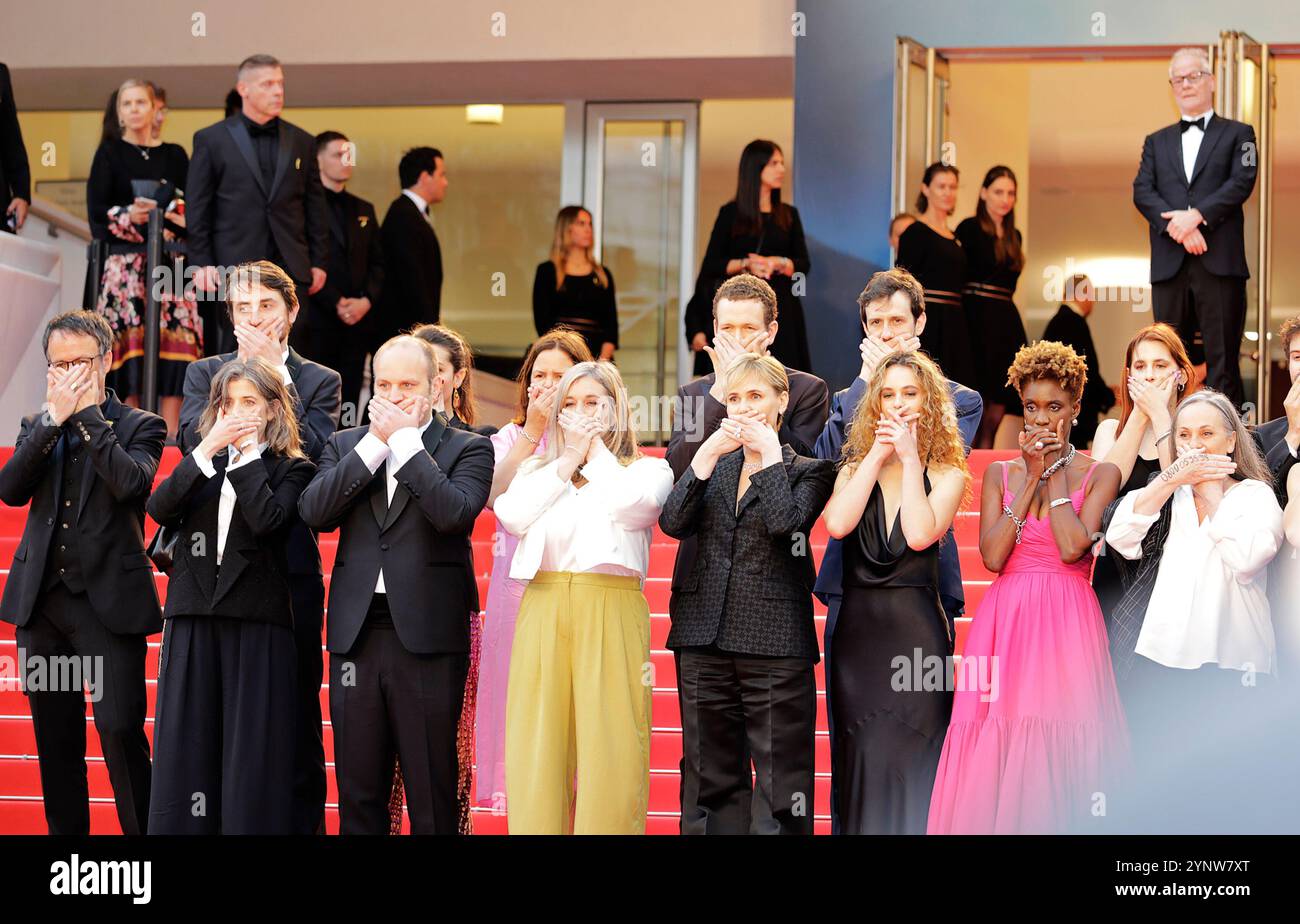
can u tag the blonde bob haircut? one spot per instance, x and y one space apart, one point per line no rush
619 438
764 368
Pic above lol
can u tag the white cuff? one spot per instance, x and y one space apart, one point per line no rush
372 451
284 374
204 463
404 444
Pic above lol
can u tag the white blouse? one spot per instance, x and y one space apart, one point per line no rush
1209 604
604 526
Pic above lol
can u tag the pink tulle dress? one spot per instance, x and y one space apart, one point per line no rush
1035 752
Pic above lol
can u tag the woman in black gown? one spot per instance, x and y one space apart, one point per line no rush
755 233
994 259
932 253
903 478
570 289
117 215
1156 372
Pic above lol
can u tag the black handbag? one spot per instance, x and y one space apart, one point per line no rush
162 549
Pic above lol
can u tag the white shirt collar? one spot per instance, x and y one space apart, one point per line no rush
414 197
235 453
1206 115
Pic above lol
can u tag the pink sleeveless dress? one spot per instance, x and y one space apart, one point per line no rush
1037 733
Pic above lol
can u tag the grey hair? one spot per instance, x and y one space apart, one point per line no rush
1192 51
254 62
86 323
1250 464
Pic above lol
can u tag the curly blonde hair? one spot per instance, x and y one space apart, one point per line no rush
938 441
1048 359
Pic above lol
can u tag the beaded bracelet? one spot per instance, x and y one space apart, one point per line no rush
1020 524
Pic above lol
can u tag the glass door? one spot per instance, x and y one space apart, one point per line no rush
921 85
640 166
1245 92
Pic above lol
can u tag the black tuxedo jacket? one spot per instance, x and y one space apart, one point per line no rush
697 415
355 246
752 593
1271 439
1222 179
125 446
317 391
412 270
232 216
15 174
421 540
252 583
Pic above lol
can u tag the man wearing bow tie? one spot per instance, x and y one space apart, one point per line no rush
341 317
412 256
1190 187
253 192
404 493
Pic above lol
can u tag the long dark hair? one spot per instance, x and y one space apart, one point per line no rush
936 168
462 359
749 219
1006 246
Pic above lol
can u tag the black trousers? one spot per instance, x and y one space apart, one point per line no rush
737 709
308 593
64 626
1196 299
387 703
223 728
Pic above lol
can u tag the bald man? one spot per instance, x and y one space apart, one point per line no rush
403 492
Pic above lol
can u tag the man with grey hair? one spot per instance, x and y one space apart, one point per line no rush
254 193
81 584
1190 186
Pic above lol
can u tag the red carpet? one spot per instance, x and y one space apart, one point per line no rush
20 787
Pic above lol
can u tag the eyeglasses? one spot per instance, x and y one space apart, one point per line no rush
64 365
1189 80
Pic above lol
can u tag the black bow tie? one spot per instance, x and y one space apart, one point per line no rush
270 128
1200 123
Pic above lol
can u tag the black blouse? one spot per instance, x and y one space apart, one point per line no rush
582 304
116 164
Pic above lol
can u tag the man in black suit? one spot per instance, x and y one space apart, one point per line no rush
1280 439
404 493
341 317
1190 187
262 302
254 193
81 589
15 174
1070 326
412 258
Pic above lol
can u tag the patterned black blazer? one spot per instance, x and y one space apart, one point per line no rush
751 590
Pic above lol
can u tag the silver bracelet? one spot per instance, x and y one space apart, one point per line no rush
1058 502
1020 524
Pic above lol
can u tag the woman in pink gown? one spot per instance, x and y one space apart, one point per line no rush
1037 730
548 359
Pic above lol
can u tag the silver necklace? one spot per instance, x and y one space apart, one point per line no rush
144 151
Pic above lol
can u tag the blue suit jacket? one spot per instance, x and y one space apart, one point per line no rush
970 407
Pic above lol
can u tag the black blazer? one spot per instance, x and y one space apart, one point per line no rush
753 594
355 268
15 174
317 392
125 446
697 415
421 541
413 270
1222 179
233 217
252 583
1277 454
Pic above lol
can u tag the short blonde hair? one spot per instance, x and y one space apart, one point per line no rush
765 368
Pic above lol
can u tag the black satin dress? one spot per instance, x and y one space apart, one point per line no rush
888 739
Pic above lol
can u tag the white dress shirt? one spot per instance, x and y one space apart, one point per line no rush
419 204
1192 139
1209 604
226 505
401 446
604 526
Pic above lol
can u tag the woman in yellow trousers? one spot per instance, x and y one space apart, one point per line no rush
579 694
